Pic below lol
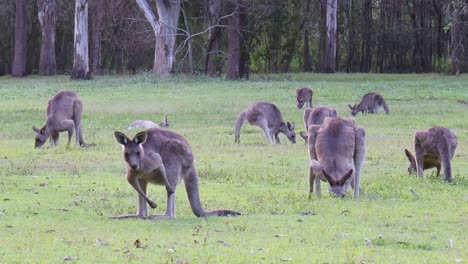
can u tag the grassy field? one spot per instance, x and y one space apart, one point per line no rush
55 203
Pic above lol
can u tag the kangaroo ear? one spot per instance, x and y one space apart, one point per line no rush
166 122
140 138
329 178
42 130
121 138
35 129
350 107
409 155
343 179
303 135
291 125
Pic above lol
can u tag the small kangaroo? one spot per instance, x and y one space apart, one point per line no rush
433 147
161 157
304 96
315 116
370 103
337 152
63 114
268 117
146 124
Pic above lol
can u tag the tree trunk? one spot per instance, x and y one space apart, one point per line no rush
456 46
307 66
19 61
232 71
351 47
330 48
244 59
366 61
213 61
96 17
80 69
323 34
165 29
46 15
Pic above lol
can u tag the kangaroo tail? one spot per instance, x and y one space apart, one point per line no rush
445 156
239 123
77 110
385 107
191 186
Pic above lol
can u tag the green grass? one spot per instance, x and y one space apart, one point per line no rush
56 202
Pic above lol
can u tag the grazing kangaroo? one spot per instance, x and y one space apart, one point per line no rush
268 117
337 151
63 114
146 124
304 96
315 116
162 157
370 103
433 147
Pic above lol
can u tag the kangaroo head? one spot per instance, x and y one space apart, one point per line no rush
132 149
291 134
354 110
41 136
412 160
337 186
304 135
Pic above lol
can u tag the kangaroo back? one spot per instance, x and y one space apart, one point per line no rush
239 123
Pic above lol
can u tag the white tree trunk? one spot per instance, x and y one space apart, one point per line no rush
165 30
80 69
330 47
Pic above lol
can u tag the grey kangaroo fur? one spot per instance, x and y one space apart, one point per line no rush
268 117
147 124
337 152
63 114
315 116
433 147
370 103
161 157
304 96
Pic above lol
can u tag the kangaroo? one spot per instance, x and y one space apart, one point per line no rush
304 96
161 157
433 147
315 116
337 152
370 103
63 114
268 117
146 124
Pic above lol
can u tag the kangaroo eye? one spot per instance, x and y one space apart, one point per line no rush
138 153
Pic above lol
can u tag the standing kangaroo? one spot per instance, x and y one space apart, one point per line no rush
268 117
315 116
370 103
304 96
337 151
146 124
161 157
63 114
433 147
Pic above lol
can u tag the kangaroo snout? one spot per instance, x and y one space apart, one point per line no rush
134 166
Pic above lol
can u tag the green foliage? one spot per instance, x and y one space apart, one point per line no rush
55 203
443 65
